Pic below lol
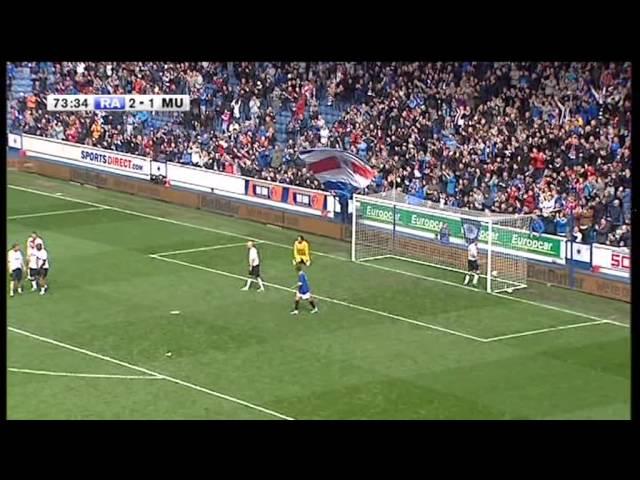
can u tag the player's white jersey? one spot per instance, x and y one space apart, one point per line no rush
33 258
472 251
15 259
32 242
42 258
254 258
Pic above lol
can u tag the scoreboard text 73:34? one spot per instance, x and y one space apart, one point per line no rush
123 103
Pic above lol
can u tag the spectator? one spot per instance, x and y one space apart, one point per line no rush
585 222
561 224
537 225
576 235
324 135
624 239
254 108
539 164
235 106
276 158
602 231
614 214
196 155
626 203
599 210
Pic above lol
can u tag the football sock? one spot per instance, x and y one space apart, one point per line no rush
312 303
248 283
466 279
260 283
34 284
296 305
475 278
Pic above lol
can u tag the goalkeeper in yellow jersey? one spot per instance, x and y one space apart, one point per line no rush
301 252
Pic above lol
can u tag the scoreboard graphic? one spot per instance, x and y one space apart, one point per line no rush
122 103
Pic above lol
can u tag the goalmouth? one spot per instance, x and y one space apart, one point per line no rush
397 226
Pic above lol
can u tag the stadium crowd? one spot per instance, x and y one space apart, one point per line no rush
546 138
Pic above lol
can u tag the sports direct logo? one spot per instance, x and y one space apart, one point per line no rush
111 160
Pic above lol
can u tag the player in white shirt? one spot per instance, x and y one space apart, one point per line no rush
31 248
32 259
42 259
254 268
15 266
473 266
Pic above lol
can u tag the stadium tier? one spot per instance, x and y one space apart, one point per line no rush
550 139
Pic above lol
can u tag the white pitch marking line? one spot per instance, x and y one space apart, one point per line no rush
87 375
57 212
543 330
326 299
189 250
150 372
231 234
613 322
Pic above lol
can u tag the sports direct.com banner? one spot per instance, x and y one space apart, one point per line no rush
611 260
81 155
271 194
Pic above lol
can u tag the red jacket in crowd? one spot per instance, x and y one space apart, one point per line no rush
300 107
538 160
530 202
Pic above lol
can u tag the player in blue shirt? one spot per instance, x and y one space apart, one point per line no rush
303 291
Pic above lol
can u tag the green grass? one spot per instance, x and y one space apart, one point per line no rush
359 357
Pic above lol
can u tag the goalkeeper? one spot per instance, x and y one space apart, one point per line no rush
301 252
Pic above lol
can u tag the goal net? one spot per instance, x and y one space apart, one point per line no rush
394 225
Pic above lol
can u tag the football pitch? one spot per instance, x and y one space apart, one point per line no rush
145 319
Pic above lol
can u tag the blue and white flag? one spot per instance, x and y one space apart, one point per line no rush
471 229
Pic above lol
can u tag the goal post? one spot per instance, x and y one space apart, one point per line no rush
405 228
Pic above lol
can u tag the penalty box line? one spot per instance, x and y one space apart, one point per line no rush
326 299
84 375
159 256
55 212
200 249
544 330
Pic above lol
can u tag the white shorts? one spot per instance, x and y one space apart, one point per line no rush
303 296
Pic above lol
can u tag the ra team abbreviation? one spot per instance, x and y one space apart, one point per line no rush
135 103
